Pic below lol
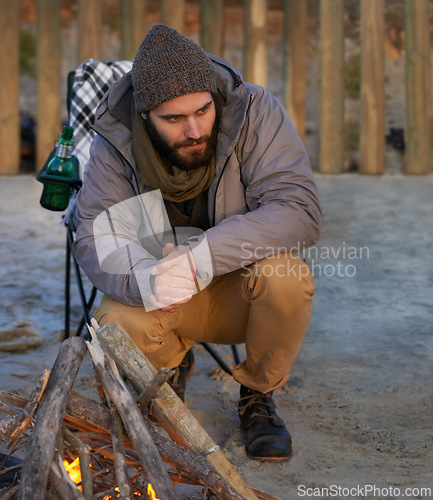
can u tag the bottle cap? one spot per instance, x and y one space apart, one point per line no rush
67 134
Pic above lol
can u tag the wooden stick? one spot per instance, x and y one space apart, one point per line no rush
194 465
83 452
133 421
31 406
10 493
5 409
119 455
60 444
171 412
12 428
7 425
88 412
149 393
42 443
100 388
117 442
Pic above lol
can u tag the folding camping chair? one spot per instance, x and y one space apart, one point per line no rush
86 86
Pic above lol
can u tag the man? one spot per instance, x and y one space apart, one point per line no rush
237 189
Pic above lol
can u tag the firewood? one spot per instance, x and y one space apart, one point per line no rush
42 443
156 383
10 493
12 428
262 495
31 406
171 412
89 413
133 421
5 409
7 425
83 453
119 455
191 463
98 417
194 465
13 400
93 423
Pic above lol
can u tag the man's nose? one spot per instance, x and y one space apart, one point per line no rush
192 128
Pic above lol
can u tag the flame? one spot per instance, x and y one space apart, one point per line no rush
109 497
151 492
117 489
74 471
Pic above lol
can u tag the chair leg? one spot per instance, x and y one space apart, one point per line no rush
235 355
79 281
67 288
216 357
89 307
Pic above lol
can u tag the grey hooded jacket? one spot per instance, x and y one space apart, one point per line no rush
263 199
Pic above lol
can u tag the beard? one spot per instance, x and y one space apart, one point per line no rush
191 159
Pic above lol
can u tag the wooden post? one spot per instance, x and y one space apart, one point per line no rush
255 47
418 97
295 62
48 79
134 26
332 88
372 141
212 26
89 30
173 14
9 89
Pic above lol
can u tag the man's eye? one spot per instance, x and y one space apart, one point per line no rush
173 119
202 111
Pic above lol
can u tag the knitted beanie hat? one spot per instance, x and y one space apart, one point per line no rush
168 65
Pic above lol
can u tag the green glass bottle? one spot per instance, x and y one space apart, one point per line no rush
60 170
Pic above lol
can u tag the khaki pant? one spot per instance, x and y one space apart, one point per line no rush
267 306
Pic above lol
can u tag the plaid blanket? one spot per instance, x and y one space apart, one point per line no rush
91 80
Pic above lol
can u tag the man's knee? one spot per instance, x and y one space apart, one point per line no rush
110 311
143 327
151 331
285 274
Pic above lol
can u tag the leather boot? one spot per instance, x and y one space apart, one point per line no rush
266 437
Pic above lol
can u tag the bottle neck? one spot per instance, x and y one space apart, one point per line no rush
64 150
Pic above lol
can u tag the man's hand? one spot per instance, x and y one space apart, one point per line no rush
175 278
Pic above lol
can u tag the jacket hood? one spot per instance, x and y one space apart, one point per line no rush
113 116
236 97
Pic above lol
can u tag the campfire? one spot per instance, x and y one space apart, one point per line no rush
77 448
74 472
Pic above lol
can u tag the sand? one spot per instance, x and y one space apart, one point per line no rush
359 401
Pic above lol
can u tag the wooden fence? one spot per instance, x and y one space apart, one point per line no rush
172 12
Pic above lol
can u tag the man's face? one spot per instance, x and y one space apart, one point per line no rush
184 130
